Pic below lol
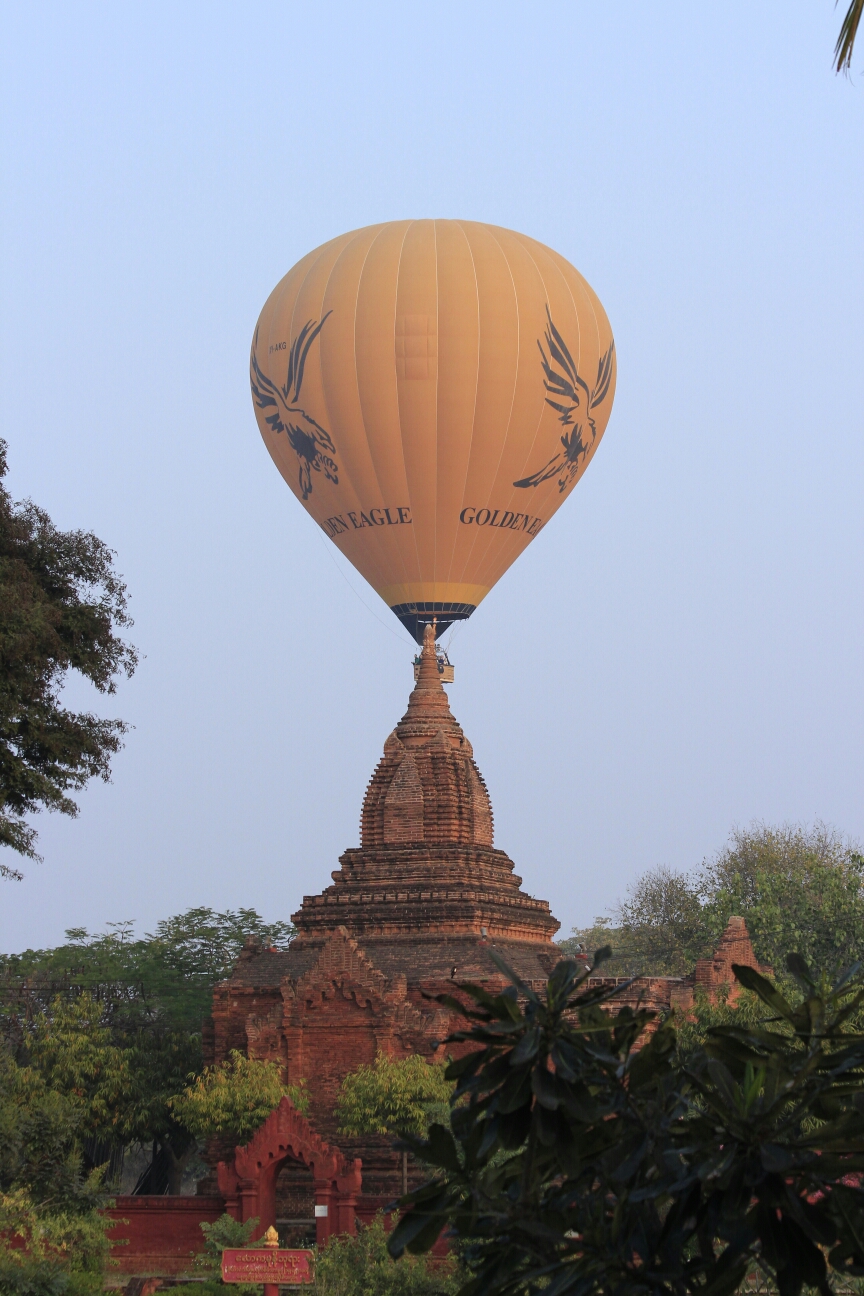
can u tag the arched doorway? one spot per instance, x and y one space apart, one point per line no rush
249 1182
295 1205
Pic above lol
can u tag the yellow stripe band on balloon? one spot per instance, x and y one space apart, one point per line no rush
433 592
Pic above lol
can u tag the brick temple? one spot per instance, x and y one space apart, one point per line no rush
419 904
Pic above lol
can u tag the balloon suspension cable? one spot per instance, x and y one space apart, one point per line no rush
454 630
356 593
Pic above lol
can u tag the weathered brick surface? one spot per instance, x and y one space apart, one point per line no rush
159 1235
426 787
735 947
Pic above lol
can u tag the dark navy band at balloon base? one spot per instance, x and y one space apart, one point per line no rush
416 616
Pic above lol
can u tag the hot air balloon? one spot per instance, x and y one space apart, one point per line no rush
431 391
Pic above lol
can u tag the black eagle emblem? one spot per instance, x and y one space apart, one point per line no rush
574 401
311 443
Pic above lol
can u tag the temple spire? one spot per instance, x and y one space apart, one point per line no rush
427 861
428 700
429 676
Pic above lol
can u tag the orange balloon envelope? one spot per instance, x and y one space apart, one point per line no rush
432 391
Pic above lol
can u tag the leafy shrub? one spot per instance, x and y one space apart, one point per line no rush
629 1168
362 1266
235 1098
393 1096
63 1253
223 1234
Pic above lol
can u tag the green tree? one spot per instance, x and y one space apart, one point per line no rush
658 929
588 1158
46 1198
166 976
60 603
234 1098
798 888
161 1062
106 1007
361 1265
73 1052
121 1091
393 1096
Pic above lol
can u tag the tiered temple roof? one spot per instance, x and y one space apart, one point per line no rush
426 865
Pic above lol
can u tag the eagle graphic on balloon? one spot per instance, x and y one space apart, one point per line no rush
574 403
283 413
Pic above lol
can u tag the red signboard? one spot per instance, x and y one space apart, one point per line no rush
267 1265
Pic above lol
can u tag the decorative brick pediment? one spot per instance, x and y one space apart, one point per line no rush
343 966
287 1135
345 971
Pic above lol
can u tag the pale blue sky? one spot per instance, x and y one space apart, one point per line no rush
678 652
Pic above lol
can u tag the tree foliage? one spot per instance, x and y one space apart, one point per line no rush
72 1051
588 1157
63 1251
115 1023
392 1096
358 1266
60 604
848 32
234 1098
166 976
47 1200
223 1234
658 928
797 888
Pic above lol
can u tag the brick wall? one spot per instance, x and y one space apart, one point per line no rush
159 1235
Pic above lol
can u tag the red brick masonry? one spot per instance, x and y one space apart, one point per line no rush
159 1235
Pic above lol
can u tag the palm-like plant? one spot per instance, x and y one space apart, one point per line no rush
846 39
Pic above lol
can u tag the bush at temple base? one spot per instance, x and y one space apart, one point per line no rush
588 1156
394 1096
345 1266
50 1248
222 1235
362 1266
52 1237
50 1251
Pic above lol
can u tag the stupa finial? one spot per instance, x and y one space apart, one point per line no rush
428 675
